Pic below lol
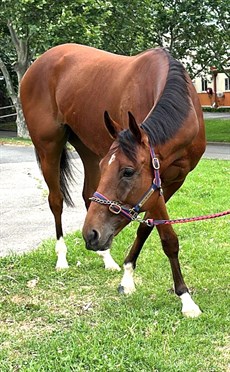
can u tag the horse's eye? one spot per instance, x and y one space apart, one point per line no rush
128 172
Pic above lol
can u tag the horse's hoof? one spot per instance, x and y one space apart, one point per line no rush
189 308
121 289
126 290
112 266
62 266
192 313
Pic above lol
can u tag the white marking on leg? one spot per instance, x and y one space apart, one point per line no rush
113 157
61 251
127 282
109 262
189 308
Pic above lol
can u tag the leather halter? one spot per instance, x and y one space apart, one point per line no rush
132 213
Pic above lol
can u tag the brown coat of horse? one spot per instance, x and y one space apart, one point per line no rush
64 95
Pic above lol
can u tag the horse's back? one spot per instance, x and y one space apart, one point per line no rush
74 84
60 88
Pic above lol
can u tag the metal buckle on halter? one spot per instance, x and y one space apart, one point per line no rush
156 163
115 208
133 214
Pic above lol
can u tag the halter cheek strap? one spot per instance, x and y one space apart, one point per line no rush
156 185
132 214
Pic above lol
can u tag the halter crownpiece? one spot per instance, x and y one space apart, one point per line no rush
132 213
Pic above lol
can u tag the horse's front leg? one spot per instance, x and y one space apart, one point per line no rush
92 176
108 260
170 246
127 285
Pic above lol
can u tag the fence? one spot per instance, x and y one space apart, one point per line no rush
7 108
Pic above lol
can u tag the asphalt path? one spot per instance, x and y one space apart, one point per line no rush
25 217
217 115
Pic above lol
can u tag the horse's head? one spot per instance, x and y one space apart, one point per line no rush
126 175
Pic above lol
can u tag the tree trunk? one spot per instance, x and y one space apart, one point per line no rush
20 121
20 66
22 130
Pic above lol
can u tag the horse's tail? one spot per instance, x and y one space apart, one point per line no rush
66 176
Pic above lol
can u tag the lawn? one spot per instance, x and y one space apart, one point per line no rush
75 320
217 130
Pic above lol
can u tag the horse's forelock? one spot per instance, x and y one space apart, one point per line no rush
128 144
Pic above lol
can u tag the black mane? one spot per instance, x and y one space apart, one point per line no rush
172 108
169 113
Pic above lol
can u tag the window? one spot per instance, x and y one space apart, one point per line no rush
227 83
204 85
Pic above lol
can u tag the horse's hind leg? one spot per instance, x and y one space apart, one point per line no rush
52 156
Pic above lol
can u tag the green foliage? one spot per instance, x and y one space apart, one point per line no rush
194 29
74 320
195 32
47 23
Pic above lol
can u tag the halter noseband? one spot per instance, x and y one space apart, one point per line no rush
132 213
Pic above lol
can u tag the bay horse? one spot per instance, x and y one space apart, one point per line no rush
65 94
145 165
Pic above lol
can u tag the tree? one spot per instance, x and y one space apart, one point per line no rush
29 27
195 31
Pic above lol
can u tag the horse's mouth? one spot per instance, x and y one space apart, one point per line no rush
98 246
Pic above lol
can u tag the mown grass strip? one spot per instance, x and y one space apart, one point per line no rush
217 130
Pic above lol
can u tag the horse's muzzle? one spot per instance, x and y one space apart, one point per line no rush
94 241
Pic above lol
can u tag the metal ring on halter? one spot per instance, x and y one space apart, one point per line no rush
115 208
156 163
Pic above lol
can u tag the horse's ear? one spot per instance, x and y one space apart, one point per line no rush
111 125
134 128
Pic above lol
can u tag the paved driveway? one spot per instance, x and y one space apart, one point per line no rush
25 217
217 115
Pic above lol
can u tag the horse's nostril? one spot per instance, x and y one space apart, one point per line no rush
93 237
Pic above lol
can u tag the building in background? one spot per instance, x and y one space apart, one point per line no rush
214 88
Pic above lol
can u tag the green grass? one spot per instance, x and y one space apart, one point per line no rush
17 141
217 130
75 320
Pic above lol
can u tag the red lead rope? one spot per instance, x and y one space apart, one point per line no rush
150 222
